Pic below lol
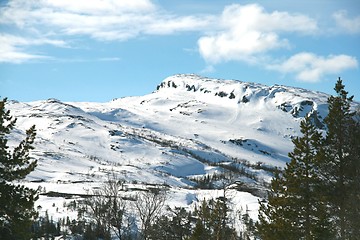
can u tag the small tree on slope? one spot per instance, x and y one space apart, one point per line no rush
16 201
295 210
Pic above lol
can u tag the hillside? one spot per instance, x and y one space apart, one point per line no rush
189 128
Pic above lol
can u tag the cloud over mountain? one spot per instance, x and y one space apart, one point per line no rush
246 31
310 67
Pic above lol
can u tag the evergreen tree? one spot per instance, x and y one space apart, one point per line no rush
16 201
341 168
176 227
212 221
202 230
354 173
180 223
295 210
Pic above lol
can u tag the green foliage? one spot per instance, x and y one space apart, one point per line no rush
295 209
46 228
318 194
16 201
175 227
341 168
209 221
212 221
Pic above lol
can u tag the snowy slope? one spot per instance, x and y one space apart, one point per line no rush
188 128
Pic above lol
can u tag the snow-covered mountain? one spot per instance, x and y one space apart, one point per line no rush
190 127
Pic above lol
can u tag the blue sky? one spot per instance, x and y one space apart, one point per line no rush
97 50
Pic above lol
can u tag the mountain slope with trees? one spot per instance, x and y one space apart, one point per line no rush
212 145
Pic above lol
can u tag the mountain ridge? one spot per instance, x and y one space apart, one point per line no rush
190 128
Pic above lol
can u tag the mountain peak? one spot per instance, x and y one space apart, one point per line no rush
297 101
188 133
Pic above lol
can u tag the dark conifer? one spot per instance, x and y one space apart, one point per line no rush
16 201
341 168
295 210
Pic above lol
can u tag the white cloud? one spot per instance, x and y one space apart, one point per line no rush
103 20
309 67
346 24
172 24
110 20
240 33
12 48
99 6
248 30
10 55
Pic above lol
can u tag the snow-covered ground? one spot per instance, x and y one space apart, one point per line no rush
189 127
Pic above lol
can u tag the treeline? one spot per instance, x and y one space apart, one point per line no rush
106 215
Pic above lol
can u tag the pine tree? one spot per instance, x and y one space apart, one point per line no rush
273 215
176 227
16 201
295 210
212 221
202 230
341 168
354 173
